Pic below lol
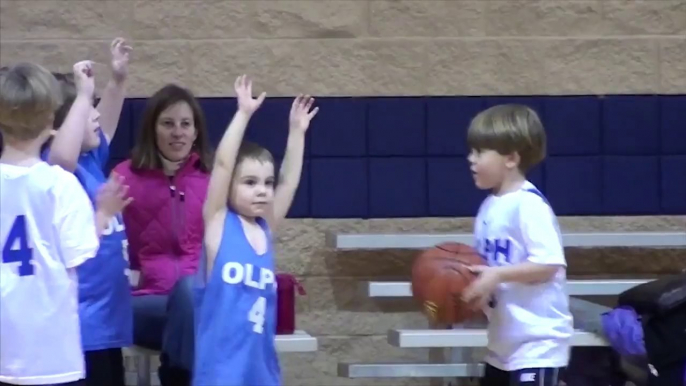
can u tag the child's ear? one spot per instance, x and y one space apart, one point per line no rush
512 160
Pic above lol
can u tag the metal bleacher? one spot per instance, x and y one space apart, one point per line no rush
464 340
300 341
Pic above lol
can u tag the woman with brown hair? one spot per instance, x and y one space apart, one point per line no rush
167 177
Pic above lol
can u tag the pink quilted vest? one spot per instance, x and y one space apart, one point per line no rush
164 223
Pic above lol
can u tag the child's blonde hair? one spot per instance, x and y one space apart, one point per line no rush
29 95
509 129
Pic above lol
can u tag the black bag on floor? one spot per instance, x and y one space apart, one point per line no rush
661 304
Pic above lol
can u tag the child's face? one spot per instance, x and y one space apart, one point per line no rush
91 138
252 188
489 168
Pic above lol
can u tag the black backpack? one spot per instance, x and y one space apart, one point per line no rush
661 304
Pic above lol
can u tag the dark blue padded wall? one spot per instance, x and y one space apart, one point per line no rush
406 157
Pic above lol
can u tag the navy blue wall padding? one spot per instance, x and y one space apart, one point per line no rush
673 172
451 188
397 187
572 125
536 176
301 202
536 103
120 146
631 125
406 156
574 185
673 133
340 128
137 110
396 127
447 124
339 188
218 112
269 126
631 185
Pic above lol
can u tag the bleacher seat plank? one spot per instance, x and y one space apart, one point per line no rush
407 370
596 287
580 240
468 338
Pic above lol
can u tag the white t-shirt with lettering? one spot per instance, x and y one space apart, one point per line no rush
46 230
530 325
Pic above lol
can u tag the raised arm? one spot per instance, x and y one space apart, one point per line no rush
225 159
66 143
112 100
291 168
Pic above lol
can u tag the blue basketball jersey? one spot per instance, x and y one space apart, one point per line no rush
105 309
236 314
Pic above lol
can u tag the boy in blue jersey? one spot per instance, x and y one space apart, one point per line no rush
236 303
104 291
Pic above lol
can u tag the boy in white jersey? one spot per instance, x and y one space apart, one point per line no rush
522 289
47 229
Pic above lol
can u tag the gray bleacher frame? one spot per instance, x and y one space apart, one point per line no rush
468 338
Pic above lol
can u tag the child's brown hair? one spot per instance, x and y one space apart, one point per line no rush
509 129
29 95
67 89
251 150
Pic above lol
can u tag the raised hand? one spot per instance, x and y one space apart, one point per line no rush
246 103
302 113
121 52
113 196
84 79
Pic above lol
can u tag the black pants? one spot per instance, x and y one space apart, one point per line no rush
105 368
75 383
166 323
525 377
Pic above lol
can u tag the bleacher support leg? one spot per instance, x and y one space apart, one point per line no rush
143 371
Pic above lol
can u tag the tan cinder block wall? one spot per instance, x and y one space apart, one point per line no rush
366 48
358 47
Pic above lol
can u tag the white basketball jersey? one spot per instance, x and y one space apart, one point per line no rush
530 325
46 229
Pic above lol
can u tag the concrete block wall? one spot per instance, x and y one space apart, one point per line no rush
357 47
376 48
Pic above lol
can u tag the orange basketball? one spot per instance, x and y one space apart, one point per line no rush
439 275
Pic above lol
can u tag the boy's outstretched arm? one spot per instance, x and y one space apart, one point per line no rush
65 147
225 159
112 100
291 168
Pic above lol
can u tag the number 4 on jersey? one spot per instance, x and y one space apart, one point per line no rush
22 253
256 314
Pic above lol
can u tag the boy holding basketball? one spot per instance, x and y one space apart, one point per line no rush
236 302
522 287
